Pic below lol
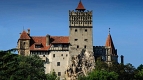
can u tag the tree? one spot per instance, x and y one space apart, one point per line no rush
100 65
30 67
100 75
8 65
51 76
140 67
17 67
139 75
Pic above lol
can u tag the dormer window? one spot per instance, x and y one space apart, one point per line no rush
57 45
38 45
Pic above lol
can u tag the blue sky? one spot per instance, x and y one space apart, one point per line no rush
124 17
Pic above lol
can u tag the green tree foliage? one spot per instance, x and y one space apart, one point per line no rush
51 76
139 75
100 75
115 71
140 67
16 67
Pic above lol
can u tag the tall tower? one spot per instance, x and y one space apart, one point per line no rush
80 25
24 43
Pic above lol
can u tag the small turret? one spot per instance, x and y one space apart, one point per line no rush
80 7
110 44
24 43
111 52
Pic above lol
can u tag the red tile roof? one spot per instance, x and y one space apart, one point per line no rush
24 35
109 42
80 6
42 40
37 40
60 39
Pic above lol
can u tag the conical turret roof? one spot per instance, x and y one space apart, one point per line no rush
24 35
80 6
109 41
110 44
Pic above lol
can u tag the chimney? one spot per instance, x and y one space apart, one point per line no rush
122 59
47 39
28 31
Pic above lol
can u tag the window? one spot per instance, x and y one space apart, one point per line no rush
59 73
56 45
75 39
65 45
43 55
61 54
85 30
77 46
24 43
58 63
53 55
66 55
37 46
84 46
75 30
86 40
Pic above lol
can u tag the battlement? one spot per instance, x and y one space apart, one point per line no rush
77 18
75 12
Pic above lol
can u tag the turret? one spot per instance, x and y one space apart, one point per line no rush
24 44
80 7
111 52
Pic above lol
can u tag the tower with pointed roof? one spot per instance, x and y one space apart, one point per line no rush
107 53
24 44
111 53
80 25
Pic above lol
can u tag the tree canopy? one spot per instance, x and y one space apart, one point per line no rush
16 67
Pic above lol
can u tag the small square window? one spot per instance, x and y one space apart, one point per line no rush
53 55
75 30
58 63
75 39
37 46
61 54
59 73
85 30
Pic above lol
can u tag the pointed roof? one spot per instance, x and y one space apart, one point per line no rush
109 42
24 35
80 6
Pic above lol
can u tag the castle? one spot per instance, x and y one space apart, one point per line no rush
67 55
